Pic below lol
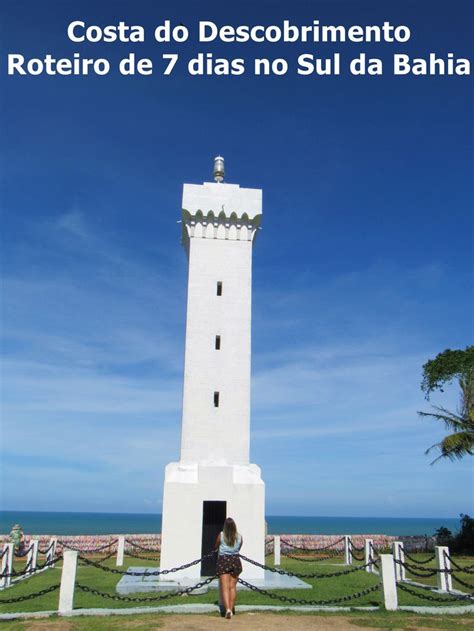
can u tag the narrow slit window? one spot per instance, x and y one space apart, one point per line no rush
218 342
219 288
216 399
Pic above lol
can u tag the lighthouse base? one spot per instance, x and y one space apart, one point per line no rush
196 500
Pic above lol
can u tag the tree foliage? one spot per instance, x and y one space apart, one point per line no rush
463 541
445 367
442 370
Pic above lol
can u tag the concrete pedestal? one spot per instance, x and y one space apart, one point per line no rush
137 584
186 487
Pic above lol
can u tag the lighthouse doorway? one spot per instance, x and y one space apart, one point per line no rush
213 518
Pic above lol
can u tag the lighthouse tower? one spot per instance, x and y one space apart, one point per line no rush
214 478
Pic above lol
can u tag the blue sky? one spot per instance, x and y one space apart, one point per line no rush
361 273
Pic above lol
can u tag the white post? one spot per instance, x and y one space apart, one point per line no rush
445 581
32 558
368 555
347 550
68 579
388 582
120 550
399 555
53 542
7 564
276 550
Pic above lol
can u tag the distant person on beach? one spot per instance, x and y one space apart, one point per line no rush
17 538
228 566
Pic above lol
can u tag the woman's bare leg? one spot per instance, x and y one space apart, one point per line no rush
232 592
224 586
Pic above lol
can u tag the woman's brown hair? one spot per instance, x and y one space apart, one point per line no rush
230 532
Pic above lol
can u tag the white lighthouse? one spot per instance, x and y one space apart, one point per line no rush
214 478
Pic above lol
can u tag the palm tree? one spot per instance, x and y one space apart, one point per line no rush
441 370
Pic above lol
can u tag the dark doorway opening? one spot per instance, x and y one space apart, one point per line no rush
213 518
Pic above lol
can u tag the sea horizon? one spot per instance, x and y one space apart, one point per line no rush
97 523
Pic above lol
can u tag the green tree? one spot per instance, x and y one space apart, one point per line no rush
443 369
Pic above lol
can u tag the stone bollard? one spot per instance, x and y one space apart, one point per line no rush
7 564
369 555
399 555
348 550
68 579
53 542
120 550
444 578
32 558
388 582
276 550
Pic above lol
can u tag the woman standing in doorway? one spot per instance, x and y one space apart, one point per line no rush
228 566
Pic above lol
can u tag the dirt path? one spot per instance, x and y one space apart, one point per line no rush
256 622
194 622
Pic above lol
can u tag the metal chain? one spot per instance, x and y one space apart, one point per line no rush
408 556
112 554
454 597
130 599
427 573
154 573
19 599
464 583
353 547
302 601
20 555
284 573
90 550
354 556
374 551
292 545
27 569
136 556
135 545
46 551
468 569
326 558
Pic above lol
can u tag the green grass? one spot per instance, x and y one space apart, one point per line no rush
151 622
323 589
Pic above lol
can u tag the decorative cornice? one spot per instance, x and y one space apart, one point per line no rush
210 226
220 211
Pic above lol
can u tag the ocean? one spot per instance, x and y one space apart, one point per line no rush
39 523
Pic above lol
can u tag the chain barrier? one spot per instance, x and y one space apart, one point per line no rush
20 555
3 553
19 599
106 558
463 583
46 551
90 550
353 547
315 576
27 569
354 556
413 560
291 545
302 601
468 569
326 558
428 573
130 599
136 556
135 545
374 557
444 599
146 573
